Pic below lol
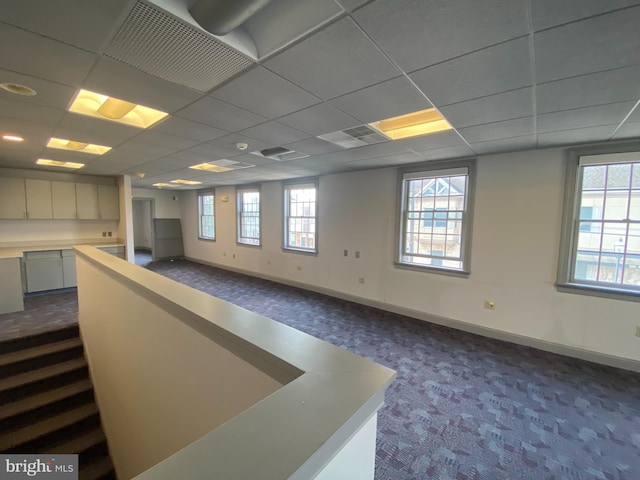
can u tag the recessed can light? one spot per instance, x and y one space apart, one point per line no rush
12 138
18 89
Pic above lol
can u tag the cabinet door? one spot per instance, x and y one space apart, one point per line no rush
44 271
63 199
87 201
12 198
69 268
108 202
38 198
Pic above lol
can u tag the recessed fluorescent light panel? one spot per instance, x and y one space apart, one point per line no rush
220 166
58 163
413 124
185 182
77 146
164 185
114 109
12 138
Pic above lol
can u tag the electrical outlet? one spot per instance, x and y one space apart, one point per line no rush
104 234
357 253
638 331
108 234
489 304
360 279
346 253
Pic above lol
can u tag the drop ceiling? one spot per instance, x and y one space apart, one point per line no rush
508 75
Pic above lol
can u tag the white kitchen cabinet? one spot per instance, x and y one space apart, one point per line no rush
38 193
63 200
12 198
87 201
43 270
108 205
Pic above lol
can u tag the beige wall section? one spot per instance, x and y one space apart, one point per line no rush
20 231
125 227
167 202
514 255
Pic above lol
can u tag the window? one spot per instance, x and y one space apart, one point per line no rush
601 236
206 215
434 213
249 216
300 213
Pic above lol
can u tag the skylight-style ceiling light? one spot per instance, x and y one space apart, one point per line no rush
58 163
185 182
114 109
413 124
77 146
164 185
220 166
12 138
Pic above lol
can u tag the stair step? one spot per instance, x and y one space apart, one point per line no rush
96 470
40 339
79 444
39 350
51 424
41 373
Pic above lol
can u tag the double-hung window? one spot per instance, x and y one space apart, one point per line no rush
206 215
435 216
300 217
601 231
249 216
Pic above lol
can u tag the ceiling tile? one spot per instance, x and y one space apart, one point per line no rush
220 115
571 137
351 4
50 94
517 127
612 86
430 142
155 151
493 70
11 108
635 115
319 119
505 145
494 108
265 93
165 140
313 146
592 45
419 33
550 13
93 130
82 23
612 114
230 142
182 127
48 60
275 133
456 151
122 81
334 61
384 100
388 161
628 130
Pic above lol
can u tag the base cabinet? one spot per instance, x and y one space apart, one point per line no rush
44 271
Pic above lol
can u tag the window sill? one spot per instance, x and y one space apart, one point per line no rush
436 270
252 245
206 239
298 250
599 291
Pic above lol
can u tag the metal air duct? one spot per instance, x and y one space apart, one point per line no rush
221 16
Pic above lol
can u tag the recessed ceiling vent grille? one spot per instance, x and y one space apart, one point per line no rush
161 45
355 137
280 153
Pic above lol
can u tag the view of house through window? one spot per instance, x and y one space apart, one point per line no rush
434 205
206 215
606 248
249 216
300 217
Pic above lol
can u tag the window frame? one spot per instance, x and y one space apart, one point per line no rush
570 229
239 215
200 195
287 187
467 217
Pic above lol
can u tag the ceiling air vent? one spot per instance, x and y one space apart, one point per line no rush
280 153
355 137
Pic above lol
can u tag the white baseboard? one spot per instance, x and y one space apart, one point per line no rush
574 352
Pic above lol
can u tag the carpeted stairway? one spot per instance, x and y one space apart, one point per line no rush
47 403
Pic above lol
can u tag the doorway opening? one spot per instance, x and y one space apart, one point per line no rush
143 214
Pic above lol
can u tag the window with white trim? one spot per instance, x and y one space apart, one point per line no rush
206 215
300 217
434 213
601 241
249 216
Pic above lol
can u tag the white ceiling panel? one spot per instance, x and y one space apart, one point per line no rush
11 108
94 130
517 127
319 119
591 45
154 151
313 146
53 61
496 69
230 142
350 5
182 127
398 159
265 93
628 130
419 33
220 115
611 86
275 133
165 140
433 141
612 114
505 145
494 108
384 100
456 151
49 94
580 135
333 62
551 13
82 23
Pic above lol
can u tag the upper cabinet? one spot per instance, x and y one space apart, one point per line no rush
108 206
38 199
12 198
63 200
87 201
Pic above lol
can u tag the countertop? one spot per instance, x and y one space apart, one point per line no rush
17 251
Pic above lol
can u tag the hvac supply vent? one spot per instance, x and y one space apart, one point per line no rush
280 153
159 44
355 137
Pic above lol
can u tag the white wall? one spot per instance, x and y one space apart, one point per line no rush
142 223
23 231
167 202
516 234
